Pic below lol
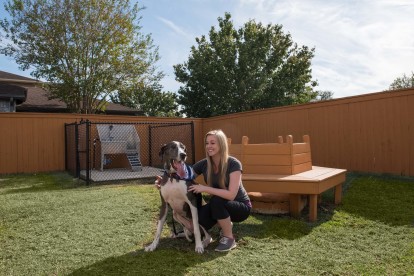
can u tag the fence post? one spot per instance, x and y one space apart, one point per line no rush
88 165
66 146
193 142
149 144
77 150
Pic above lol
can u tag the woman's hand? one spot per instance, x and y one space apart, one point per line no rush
196 188
157 182
229 193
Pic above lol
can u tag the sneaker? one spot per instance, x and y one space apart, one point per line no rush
226 244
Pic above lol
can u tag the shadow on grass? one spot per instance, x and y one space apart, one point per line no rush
159 262
271 226
381 198
177 256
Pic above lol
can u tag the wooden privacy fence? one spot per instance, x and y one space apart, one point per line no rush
366 133
35 142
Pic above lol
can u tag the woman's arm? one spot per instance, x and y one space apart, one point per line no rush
230 194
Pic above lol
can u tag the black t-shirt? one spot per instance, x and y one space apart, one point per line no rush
233 165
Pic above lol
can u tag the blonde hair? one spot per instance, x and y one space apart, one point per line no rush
224 156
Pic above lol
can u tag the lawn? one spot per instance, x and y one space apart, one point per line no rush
51 224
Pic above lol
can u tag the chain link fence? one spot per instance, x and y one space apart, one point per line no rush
108 151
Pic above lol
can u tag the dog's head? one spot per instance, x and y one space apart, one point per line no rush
173 155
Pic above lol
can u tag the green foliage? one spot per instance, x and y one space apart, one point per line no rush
324 95
150 99
251 68
403 82
87 51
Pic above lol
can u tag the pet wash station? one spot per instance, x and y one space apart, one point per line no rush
119 139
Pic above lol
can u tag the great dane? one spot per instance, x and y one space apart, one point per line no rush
174 184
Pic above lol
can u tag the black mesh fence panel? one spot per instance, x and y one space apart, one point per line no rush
162 134
70 148
107 151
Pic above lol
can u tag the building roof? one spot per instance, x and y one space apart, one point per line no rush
11 91
37 99
12 77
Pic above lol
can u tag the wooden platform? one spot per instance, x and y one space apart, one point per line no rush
285 168
312 183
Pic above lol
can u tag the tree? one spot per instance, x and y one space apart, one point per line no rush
251 68
151 100
324 95
403 82
87 51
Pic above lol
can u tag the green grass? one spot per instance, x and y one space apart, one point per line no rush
51 224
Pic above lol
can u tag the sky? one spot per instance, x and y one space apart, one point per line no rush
361 46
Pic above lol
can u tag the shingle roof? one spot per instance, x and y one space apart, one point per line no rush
10 76
37 99
16 92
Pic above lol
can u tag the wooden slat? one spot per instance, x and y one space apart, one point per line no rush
271 148
332 181
320 172
301 148
301 158
237 156
271 170
271 184
8 146
235 149
315 175
281 186
267 160
299 168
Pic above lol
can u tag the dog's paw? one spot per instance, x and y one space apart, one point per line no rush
207 240
151 247
199 249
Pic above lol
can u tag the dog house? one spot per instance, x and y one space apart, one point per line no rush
120 139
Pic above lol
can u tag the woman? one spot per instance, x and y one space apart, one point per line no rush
229 200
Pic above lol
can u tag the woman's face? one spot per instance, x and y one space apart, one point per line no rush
212 146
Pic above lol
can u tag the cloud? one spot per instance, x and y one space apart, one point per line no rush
360 46
173 27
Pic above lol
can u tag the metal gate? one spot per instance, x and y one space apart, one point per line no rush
109 151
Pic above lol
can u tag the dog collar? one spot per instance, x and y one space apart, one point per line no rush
172 175
189 174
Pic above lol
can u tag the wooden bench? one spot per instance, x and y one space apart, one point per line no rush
274 170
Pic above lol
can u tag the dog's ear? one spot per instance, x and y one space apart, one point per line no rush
183 147
161 153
